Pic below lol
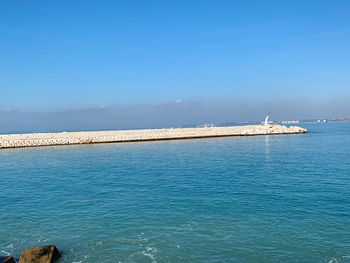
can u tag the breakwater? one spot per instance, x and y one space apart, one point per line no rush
68 138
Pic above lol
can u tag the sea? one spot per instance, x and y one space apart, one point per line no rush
277 198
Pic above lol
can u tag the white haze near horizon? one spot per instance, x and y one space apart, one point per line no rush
169 114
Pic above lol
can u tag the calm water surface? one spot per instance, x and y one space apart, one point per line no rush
234 199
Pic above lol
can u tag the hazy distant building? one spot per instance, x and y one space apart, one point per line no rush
290 122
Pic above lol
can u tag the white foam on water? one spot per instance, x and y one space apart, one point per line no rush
5 253
10 246
150 253
42 240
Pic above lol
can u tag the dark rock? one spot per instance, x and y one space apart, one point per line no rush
6 259
45 254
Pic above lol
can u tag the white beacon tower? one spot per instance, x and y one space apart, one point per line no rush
267 119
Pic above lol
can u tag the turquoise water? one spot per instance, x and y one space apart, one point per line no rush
235 199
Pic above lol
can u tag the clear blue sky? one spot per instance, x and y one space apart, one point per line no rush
73 55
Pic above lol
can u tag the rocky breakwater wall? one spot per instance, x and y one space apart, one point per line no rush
67 138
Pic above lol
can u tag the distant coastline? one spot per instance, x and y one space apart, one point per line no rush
295 121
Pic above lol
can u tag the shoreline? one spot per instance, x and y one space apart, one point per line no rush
120 136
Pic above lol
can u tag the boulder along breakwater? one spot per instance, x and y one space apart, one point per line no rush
71 138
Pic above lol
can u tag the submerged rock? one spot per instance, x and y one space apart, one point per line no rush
45 254
6 259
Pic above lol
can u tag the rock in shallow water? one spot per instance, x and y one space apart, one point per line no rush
45 254
6 259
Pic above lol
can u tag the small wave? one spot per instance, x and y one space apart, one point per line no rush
150 253
42 240
5 253
10 246
81 261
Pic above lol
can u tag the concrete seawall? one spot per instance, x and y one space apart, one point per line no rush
67 138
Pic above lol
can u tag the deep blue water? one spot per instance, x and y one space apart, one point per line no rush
279 198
